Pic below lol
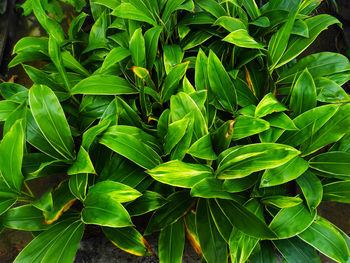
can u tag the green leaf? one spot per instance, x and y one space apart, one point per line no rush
219 78
308 124
103 85
82 164
11 156
76 25
6 108
333 163
230 23
312 189
176 207
213 246
332 244
62 201
298 44
97 35
171 243
56 57
172 55
114 56
25 217
292 221
203 148
280 120
337 192
241 246
240 184
90 135
201 69
269 104
304 95
281 201
131 147
176 131
138 49
148 202
180 174
31 44
129 240
194 39
252 9
300 28
241 38
263 253
129 11
170 7
151 43
262 21
7 200
210 188
245 220
50 25
330 92
212 7
49 116
180 106
295 250
59 243
78 185
102 209
246 126
332 131
319 65
172 81
241 161
117 191
222 223
279 41
284 173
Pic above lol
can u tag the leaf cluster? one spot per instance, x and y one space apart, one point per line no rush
199 112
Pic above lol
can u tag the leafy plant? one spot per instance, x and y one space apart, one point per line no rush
199 112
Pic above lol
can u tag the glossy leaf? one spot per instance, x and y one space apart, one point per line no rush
62 201
59 243
269 104
103 85
332 244
242 161
219 78
312 189
284 173
245 220
331 132
247 126
82 164
171 243
130 147
149 201
337 192
180 174
241 38
281 201
334 163
50 118
104 210
25 217
78 185
172 81
11 156
295 250
176 207
129 240
304 95
138 49
210 188
292 221
213 246
203 148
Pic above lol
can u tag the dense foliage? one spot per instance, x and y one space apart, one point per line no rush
197 111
